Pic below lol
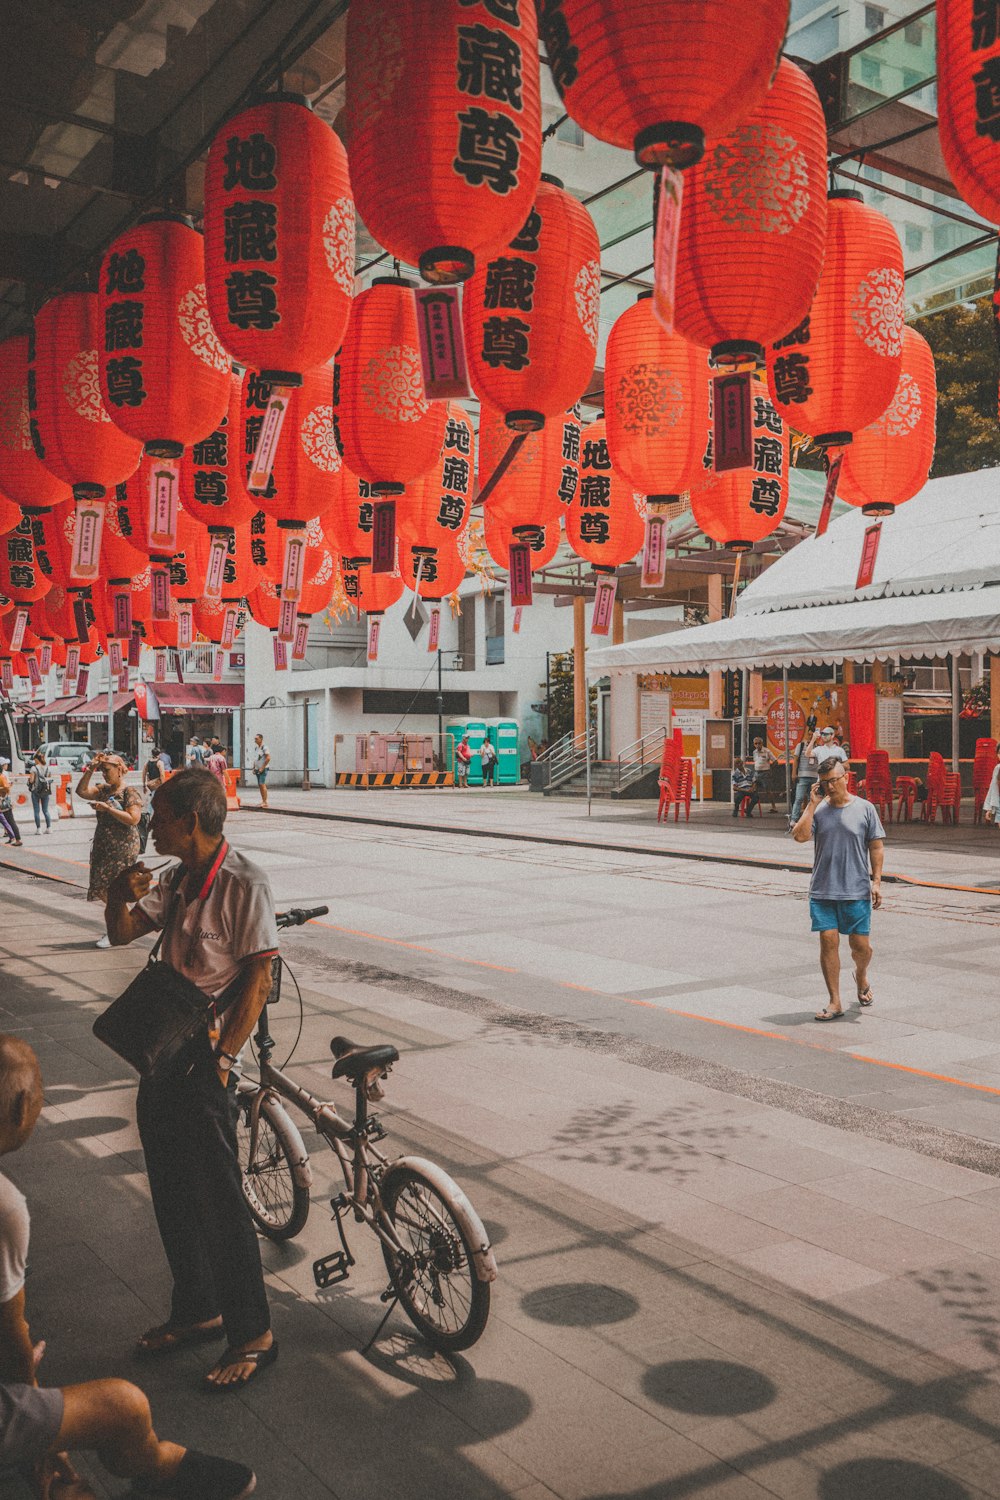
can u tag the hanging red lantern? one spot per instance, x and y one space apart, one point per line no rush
753 225
389 431
742 506
10 514
656 403
21 577
73 434
501 532
658 80
375 593
164 373
460 182
606 522
890 461
540 482
968 77
279 238
24 479
837 372
436 507
441 569
120 557
213 471
349 523
228 578
264 603
531 313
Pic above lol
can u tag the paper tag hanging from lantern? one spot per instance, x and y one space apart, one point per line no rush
175 660
654 552
280 655
830 493
159 583
80 620
163 506
34 671
869 552
516 626
442 346
7 675
294 569
134 649
604 603
218 658
669 200
123 679
519 569
267 443
45 660
301 640
215 572
732 438
384 536
229 622
85 564
122 613
115 657
185 625
72 665
160 666
82 681
287 616
20 626
434 634
374 622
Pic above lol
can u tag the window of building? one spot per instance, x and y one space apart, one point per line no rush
874 18
871 74
570 133
821 38
399 701
914 237
467 634
913 32
493 606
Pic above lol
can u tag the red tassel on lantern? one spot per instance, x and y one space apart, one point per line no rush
837 372
968 71
24 479
742 506
890 461
74 436
531 313
606 522
164 373
459 181
660 79
390 432
753 225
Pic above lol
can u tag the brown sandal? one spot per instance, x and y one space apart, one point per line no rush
168 1338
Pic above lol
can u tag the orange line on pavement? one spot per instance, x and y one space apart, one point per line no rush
377 937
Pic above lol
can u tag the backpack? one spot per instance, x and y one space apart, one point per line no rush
42 784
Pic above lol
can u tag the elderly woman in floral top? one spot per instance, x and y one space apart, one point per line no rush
116 839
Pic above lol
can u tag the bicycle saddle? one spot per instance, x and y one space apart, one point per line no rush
354 1062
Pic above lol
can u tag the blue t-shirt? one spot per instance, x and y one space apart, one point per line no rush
840 862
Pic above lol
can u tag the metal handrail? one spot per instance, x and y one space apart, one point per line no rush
632 766
569 756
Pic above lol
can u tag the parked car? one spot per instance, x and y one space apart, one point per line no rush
67 755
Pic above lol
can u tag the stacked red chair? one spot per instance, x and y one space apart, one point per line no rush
982 774
950 800
906 796
878 783
685 786
935 786
670 773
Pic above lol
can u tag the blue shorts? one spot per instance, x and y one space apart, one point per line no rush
844 916
261 777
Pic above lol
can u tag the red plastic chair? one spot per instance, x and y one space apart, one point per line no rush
906 792
936 771
667 795
950 800
684 788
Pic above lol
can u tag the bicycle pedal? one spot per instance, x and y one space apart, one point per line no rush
374 1129
331 1269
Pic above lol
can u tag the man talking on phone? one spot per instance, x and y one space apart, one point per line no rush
846 880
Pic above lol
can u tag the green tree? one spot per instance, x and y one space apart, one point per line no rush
561 696
965 356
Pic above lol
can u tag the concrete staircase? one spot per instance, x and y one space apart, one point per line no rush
604 783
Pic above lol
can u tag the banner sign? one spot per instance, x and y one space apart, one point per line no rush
229 624
85 563
20 626
666 238
295 566
604 603
160 587
82 679
72 663
134 649
442 347
160 666
80 619
115 657
654 552
869 552
374 626
384 536
287 616
301 640
185 625
46 657
123 613
519 569
218 548
829 494
123 679
733 436
516 625
34 671
218 661
267 443
434 634
163 508
280 655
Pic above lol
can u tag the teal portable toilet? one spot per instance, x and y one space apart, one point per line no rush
476 730
505 735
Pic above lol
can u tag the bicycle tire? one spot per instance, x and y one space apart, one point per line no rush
275 1186
437 1285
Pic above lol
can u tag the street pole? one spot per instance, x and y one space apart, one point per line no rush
956 707
788 758
306 783
587 738
111 708
745 713
440 709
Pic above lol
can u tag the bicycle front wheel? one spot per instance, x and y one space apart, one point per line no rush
433 1274
276 1172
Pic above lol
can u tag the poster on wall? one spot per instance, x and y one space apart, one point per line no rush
823 702
889 724
654 711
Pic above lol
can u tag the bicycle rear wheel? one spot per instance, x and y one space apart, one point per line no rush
274 1182
435 1277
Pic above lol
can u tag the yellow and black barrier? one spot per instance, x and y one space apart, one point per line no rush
369 779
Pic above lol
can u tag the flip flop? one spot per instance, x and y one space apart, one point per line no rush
865 996
829 1015
259 1358
170 1338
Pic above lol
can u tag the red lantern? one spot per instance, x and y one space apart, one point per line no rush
606 522
660 79
24 479
73 434
21 577
501 531
121 558
164 373
304 477
753 225
837 372
531 314
10 514
221 563
374 593
349 523
436 507
742 506
390 432
536 488
279 238
656 403
890 461
264 603
968 59
441 569
444 126
213 471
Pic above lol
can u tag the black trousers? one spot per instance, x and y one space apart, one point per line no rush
187 1125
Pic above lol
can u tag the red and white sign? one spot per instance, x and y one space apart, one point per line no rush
434 634
20 626
85 564
123 613
160 667
134 650
442 347
267 443
776 724
185 625
829 494
115 657
160 586
519 568
215 571
654 553
34 671
82 680
301 640
280 655
670 196
869 552
163 507
384 536
46 657
218 659
229 623
604 604
287 617
516 625
294 569
374 624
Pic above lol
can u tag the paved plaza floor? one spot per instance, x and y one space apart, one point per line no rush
741 1254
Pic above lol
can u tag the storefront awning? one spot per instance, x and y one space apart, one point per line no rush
197 697
96 709
62 708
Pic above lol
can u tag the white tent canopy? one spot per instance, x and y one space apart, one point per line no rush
935 590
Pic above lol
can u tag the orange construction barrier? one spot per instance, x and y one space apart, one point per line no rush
64 796
232 794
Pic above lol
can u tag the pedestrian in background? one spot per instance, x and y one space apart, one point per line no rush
7 819
118 809
463 756
763 766
40 787
218 765
261 761
744 787
488 756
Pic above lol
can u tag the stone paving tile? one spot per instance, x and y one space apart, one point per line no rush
889 1195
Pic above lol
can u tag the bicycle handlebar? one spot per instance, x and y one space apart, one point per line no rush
299 915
